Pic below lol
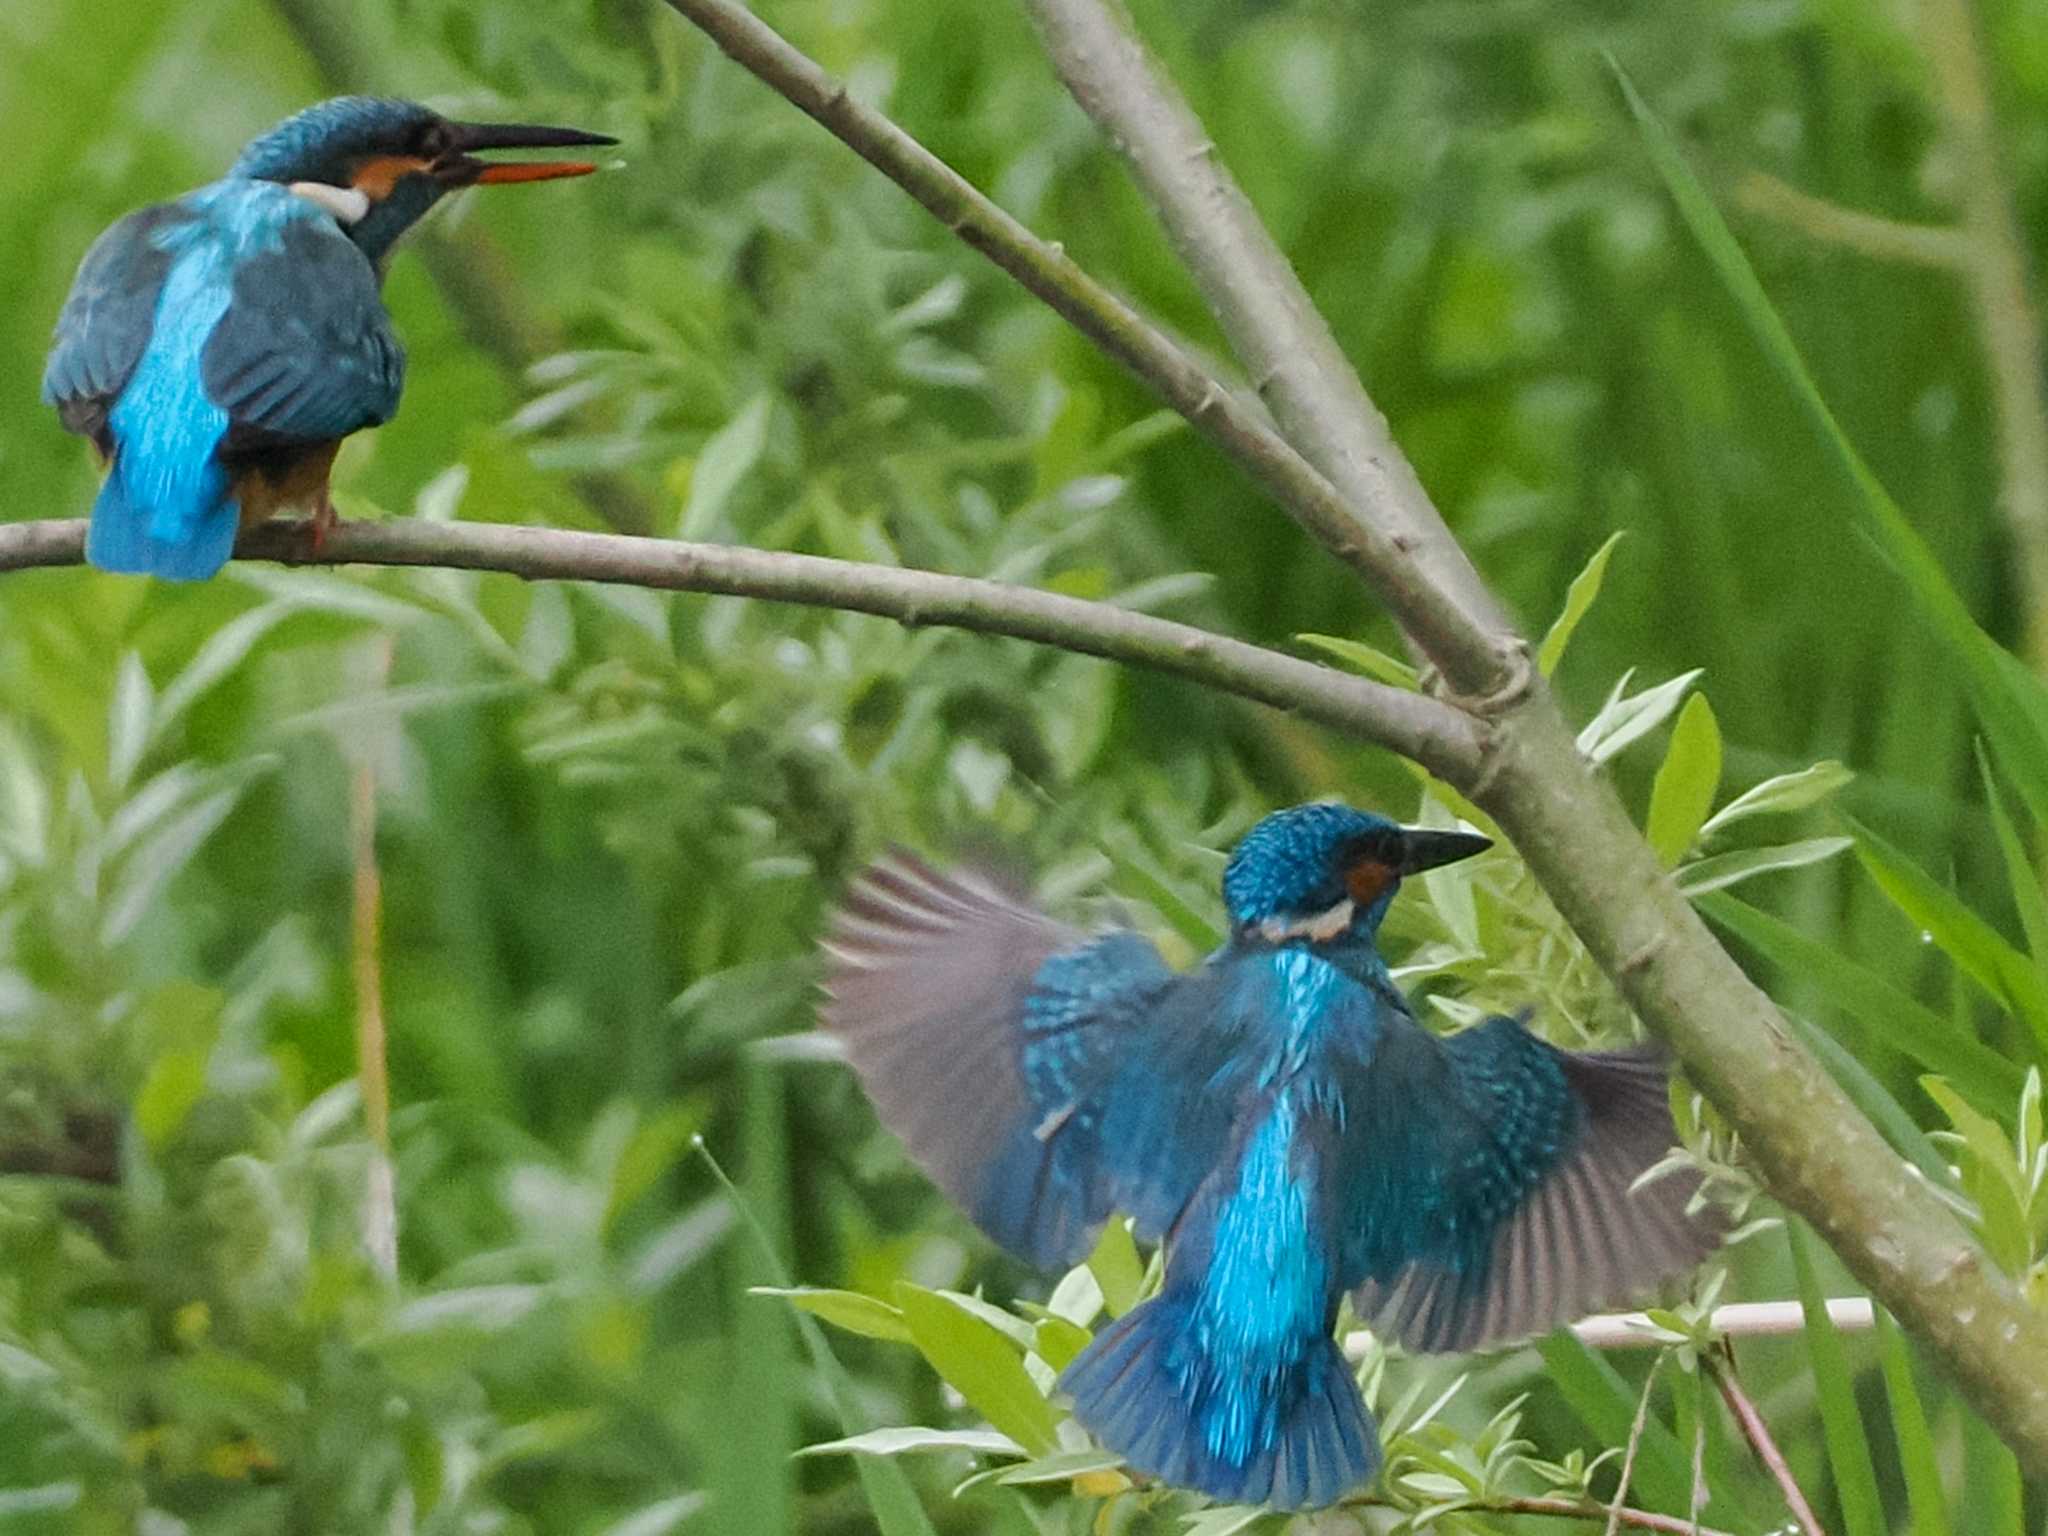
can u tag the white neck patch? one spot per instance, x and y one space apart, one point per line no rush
347 204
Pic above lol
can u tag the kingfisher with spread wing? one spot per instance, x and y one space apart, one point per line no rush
1278 1118
217 349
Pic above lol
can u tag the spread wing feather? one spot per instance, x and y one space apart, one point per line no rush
1041 1077
1532 1219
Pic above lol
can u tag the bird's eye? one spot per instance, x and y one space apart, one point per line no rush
432 141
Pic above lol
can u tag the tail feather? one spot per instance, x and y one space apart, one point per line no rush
181 528
1139 1389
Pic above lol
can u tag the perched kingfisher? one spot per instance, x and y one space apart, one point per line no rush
1278 1118
217 349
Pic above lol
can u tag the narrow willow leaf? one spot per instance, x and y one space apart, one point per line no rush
1117 1267
1992 1492
1918 1461
2010 700
981 1365
1627 718
1785 792
728 457
1992 1178
1841 1423
1908 1026
1367 659
914 1437
2020 873
1578 598
1718 871
1977 949
868 1316
1059 1468
1686 782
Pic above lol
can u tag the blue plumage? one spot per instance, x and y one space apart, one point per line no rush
217 349
1279 1118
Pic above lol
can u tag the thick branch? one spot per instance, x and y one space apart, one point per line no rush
1273 325
1409 723
1450 626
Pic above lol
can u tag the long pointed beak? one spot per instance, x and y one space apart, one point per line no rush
1425 848
462 168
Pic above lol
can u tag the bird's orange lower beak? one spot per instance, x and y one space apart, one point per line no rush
502 171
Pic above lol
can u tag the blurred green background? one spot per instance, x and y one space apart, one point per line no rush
608 822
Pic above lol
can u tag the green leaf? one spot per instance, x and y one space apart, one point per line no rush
1626 718
1578 598
1841 1423
1058 1341
1785 792
1229 1520
1366 659
1718 871
1060 1467
869 1316
1918 1460
980 1364
175 1082
2020 873
2010 700
1978 950
1117 1267
1909 1027
1686 782
1992 1177
896 1442
728 456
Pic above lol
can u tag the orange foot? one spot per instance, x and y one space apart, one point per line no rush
325 518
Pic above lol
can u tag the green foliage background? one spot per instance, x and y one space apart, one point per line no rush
609 822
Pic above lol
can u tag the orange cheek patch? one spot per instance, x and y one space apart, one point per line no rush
1367 880
379 175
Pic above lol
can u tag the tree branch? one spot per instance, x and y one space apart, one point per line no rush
1418 727
1566 1509
1447 628
1868 234
1722 1368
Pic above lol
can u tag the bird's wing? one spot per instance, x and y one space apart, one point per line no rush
106 321
305 353
1042 1078
1511 1200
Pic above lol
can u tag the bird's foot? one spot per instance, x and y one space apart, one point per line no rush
323 522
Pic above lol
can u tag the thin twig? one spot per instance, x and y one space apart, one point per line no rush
1430 732
373 1069
1759 1436
1868 234
1456 632
1635 1441
1737 1320
1564 1509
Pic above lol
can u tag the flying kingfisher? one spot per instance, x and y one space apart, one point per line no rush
1278 1118
217 349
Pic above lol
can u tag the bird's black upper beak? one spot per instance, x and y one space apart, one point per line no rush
1425 848
460 167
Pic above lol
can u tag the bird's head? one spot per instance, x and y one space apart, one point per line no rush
378 165
1317 873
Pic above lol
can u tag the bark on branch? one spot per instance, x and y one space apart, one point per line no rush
1421 728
